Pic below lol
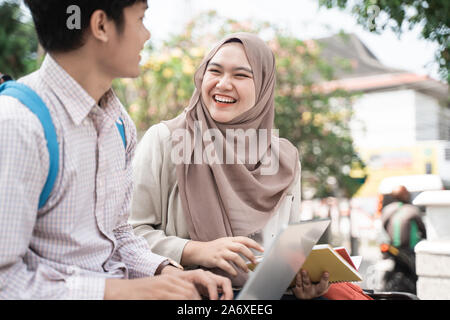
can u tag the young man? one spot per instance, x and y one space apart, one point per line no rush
4 78
79 244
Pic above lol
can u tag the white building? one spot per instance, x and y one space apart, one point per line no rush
401 121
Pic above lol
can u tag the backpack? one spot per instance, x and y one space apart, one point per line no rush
34 103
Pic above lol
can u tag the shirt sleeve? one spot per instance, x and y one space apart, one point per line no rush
131 249
24 163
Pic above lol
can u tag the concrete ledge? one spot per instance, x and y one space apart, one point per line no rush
433 247
438 213
433 198
433 288
433 266
433 258
433 254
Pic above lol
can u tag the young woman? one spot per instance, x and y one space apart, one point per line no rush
214 185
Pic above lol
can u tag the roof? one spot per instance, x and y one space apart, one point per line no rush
367 73
348 46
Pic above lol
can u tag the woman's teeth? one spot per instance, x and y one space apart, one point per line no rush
224 99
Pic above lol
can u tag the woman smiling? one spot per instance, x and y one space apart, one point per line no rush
208 213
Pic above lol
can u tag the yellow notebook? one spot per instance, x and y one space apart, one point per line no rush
324 258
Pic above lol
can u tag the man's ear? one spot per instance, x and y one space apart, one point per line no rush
101 26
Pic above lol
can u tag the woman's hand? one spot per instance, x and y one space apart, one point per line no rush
219 253
305 289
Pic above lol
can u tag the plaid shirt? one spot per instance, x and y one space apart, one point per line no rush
81 236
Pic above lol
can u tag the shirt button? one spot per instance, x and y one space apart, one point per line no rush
73 270
85 122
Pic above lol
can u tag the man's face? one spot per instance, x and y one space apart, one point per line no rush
121 57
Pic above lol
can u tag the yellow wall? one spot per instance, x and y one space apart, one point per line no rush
387 162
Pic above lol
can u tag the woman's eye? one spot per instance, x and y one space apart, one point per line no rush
241 75
214 71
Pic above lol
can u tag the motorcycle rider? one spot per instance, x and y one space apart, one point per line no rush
403 223
402 220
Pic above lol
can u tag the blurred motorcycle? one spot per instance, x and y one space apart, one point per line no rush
402 277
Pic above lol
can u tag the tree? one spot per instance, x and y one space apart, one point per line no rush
315 121
18 41
432 15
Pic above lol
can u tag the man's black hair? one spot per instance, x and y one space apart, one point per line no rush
50 18
4 78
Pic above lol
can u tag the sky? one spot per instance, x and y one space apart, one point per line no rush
304 19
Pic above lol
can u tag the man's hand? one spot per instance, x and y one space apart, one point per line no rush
305 289
219 253
163 287
207 283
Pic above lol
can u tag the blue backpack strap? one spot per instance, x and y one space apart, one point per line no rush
121 126
32 100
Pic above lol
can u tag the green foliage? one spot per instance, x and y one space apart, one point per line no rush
18 41
432 15
314 119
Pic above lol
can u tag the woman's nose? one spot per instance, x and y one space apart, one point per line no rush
224 83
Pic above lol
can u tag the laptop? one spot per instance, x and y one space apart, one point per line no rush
283 260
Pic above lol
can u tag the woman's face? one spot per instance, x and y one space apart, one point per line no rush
228 88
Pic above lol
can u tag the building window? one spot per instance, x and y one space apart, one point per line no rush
428 168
